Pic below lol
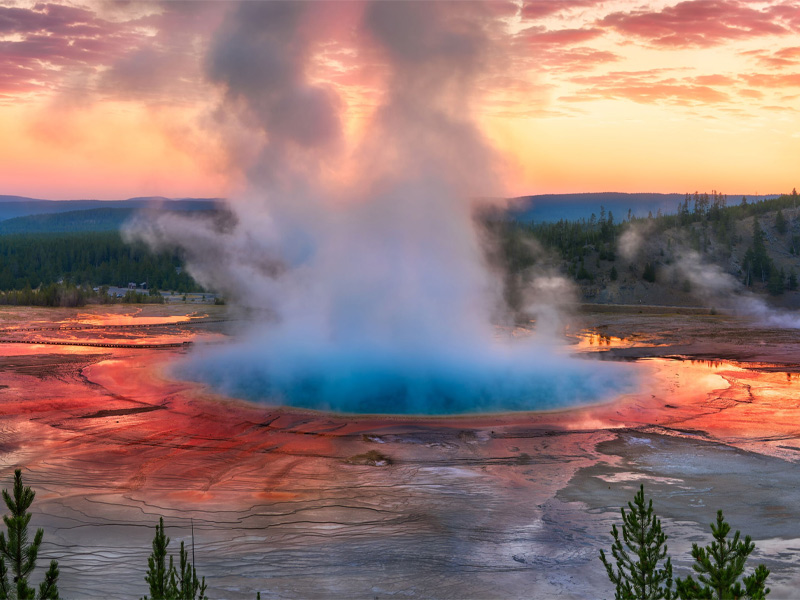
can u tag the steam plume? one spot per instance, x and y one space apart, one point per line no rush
715 287
377 298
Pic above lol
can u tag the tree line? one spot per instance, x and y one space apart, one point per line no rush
71 296
29 261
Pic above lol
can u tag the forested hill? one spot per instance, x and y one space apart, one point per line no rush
666 259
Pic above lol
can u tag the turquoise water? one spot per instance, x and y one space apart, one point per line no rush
381 382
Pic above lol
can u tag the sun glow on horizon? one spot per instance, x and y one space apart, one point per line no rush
576 96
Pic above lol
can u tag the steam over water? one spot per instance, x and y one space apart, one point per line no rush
371 378
372 291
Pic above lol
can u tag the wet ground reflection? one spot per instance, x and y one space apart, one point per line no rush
488 506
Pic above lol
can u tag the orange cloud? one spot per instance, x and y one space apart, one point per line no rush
701 23
647 87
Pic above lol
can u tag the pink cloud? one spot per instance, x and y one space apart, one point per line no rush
539 9
700 23
539 37
56 40
503 9
577 59
150 58
558 49
786 12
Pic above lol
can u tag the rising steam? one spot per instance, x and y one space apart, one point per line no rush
374 295
715 287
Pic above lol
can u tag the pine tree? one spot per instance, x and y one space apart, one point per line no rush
780 222
756 260
187 586
776 284
720 565
158 574
169 583
20 554
649 273
638 554
791 282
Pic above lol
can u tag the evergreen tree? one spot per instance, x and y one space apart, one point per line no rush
720 565
791 282
187 586
638 554
158 574
649 273
777 285
583 273
780 222
18 554
169 583
613 273
757 262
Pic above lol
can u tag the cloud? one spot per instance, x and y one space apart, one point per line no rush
750 93
650 87
540 9
714 80
536 36
772 80
776 59
697 23
165 66
559 49
786 12
578 59
48 44
106 51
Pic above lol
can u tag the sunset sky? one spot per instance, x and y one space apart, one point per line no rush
118 99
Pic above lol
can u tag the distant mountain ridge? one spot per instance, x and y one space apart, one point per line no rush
94 219
573 207
19 214
12 207
146 199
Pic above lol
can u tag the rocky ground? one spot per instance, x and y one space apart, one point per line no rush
301 504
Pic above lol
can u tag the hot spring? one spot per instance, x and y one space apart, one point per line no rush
360 246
